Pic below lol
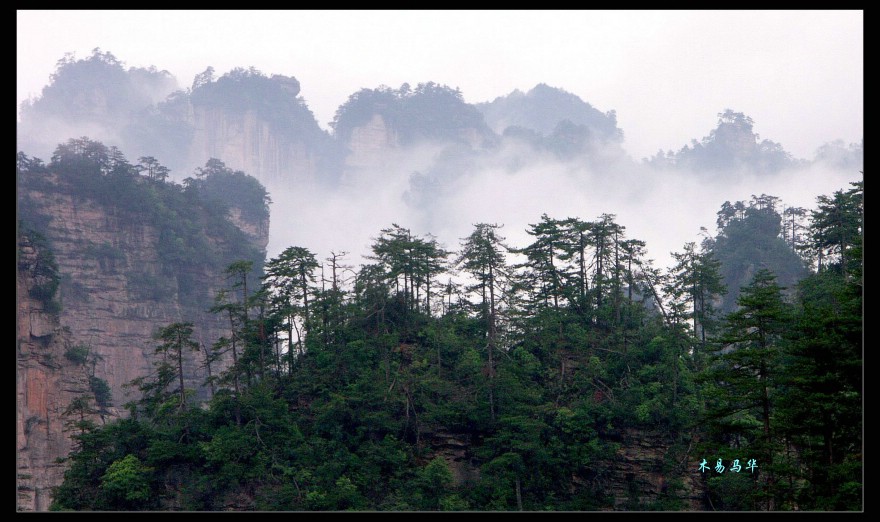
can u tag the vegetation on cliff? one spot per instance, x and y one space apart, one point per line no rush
99 89
732 145
41 268
192 219
397 388
274 99
427 112
543 109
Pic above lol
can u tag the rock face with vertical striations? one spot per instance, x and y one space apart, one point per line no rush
115 288
249 143
253 122
46 382
370 145
257 124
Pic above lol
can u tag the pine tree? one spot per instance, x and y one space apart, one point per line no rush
748 375
482 256
823 403
176 339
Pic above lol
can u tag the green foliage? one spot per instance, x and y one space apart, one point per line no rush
101 390
220 185
33 173
192 220
835 233
107 255
126 483
36 258
568 383
432 483
78 354
788 388
823 404
748 240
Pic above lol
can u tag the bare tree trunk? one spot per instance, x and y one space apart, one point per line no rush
491 343
180 370
518 495
235 370
208 369
305 290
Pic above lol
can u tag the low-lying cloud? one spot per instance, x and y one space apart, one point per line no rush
513 186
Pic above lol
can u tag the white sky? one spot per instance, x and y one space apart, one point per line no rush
798 74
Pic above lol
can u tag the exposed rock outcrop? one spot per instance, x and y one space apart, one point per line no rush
106 267
371 144
46 383
643 465
455 449
245 142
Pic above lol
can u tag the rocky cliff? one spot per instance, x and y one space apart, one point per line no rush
370 144
114 293
246 142
46 383
646 471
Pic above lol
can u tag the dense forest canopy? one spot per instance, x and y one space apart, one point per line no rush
489 376
750 237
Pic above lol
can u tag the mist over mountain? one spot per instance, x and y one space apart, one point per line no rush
542 108
96 96
428 112
839 155
434 160
732 145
